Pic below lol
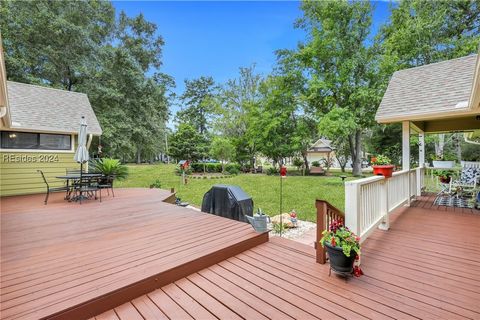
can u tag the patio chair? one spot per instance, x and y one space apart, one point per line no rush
52 189
85 186
468 182
74 171
106 182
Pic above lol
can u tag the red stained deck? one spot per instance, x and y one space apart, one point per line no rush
427 266
73 261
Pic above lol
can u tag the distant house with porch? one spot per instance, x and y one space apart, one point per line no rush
320 151
38 128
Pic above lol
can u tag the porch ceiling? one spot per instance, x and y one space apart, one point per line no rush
463 123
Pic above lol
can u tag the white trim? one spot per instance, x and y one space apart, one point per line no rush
474 101
428 116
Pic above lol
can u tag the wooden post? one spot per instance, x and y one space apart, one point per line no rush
320 250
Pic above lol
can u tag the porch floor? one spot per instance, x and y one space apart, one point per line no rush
425 267
426 201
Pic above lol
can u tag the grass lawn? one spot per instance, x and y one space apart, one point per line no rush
299 192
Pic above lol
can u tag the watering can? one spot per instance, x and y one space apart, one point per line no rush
259 221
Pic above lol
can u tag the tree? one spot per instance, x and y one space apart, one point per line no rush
79 46
222 149
235 102
273 118
342 62
187 143
54 42
421 32
198 101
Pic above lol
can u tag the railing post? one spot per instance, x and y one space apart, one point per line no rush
352 207
320 250
419 181
384 206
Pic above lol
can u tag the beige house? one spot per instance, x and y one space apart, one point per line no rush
320 151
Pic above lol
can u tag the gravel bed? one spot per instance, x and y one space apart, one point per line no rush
295 233
290 233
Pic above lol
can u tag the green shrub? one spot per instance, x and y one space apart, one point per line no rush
197 167
232 168
214 167
110 167
156 184
272 171
315 164
297 162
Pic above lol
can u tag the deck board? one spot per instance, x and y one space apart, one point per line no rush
420 269
68 260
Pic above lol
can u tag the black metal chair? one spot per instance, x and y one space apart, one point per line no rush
106 182
52 189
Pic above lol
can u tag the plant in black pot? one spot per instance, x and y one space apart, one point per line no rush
343 248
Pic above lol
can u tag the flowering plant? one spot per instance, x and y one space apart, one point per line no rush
381 160
338 235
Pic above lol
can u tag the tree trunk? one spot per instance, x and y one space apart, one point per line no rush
439 145
458 146
355 143
139 155
305 162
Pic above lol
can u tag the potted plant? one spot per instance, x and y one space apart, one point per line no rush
444 176
382 166
443 161
343 248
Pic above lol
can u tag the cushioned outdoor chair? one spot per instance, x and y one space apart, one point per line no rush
52 189
468 182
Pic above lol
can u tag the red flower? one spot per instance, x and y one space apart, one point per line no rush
357 239
357 272
333 242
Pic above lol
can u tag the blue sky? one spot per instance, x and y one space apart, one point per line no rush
216 38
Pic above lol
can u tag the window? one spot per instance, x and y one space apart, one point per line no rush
42 141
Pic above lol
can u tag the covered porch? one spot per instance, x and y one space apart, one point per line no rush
437 98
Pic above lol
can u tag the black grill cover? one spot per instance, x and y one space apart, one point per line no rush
228 201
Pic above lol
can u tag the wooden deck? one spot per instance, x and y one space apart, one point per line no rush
427 266
72 261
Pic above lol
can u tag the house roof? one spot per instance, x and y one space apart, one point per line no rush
46 109
429 91
321 145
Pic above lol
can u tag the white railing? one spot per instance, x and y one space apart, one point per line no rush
369 201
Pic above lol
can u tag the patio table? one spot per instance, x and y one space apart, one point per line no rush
88 177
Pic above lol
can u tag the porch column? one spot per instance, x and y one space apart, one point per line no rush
421 149
406 153
406 145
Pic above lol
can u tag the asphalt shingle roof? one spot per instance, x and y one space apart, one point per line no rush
40 108
428 89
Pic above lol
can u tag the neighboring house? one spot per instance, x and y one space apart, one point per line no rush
321 150
38 130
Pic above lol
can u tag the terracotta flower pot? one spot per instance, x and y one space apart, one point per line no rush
383 170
